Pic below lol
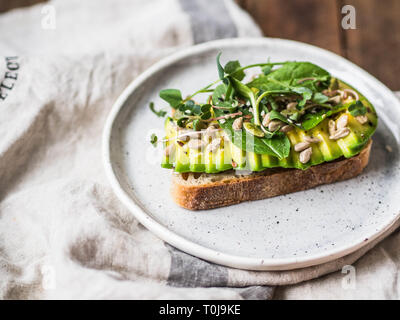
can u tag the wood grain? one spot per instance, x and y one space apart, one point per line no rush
307 20
375 44
6 5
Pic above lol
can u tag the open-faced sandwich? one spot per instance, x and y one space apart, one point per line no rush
289 128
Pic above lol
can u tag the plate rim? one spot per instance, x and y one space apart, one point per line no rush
187 245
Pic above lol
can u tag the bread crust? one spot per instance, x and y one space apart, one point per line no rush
266 184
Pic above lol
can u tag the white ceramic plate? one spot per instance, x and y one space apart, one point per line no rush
287 232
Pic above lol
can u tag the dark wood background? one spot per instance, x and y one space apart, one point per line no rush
374 45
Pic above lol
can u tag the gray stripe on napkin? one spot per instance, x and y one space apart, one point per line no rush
257 293
189 271
209 20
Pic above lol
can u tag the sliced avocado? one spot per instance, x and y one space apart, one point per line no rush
210 161
229 156
254 161
286 162
167 161
358 137
196 159
238 156
316 157
224 158
182 159
268 161
294 138
329 148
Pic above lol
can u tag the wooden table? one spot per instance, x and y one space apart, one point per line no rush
374 45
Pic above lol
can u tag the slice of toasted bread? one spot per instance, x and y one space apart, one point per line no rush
197 191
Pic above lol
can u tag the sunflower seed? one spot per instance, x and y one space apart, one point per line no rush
274 125
332 127
341 133
214 145
286 128
362 119
195 144
266 120
301 146
210 132
335 99
237 124
352 93
291 106
311 139
305 155
342 122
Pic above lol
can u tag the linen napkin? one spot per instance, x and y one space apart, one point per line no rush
63 233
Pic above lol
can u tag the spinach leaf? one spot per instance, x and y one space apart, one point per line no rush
319 98
357 109
279 144
172 96
264 83
294 73
293 76
311 120
160 113
246 141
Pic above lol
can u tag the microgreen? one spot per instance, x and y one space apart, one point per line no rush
233 68
221 71
305 92
160 113
153 140
300 82
172 96
266 69
357 109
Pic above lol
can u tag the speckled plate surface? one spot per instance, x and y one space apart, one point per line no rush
287 232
